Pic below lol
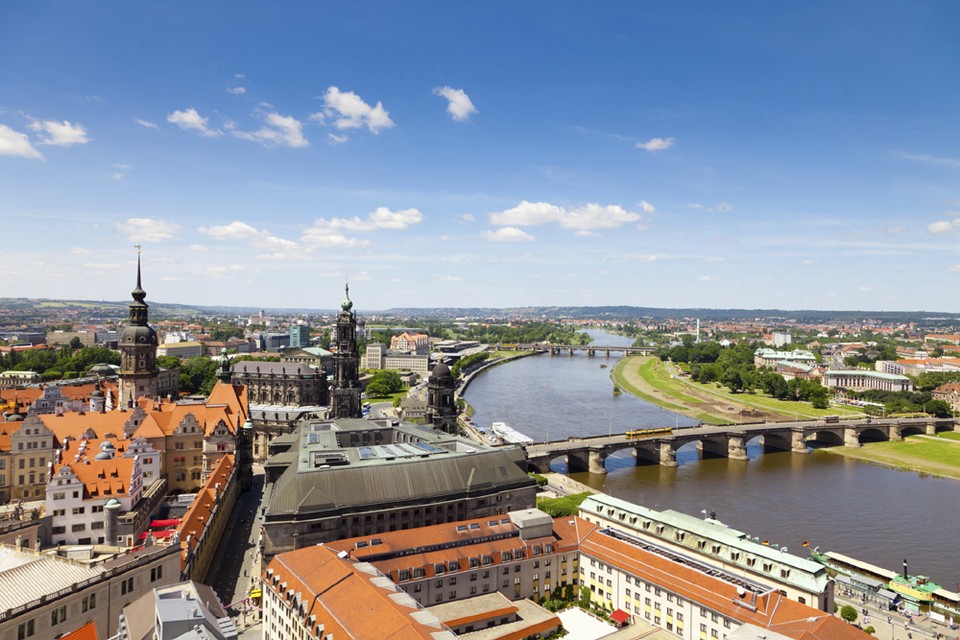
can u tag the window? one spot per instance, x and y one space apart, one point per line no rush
58 615
59 496
80 526
126 586
96 525
78 510
156 573
88 602
25 630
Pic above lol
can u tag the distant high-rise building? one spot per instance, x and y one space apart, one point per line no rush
138 351
345 394
299 336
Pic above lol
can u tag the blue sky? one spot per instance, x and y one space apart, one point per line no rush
750 154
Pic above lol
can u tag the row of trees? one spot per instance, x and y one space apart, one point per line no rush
54 364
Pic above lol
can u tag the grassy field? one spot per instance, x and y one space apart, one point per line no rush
936 455
655 381
645 377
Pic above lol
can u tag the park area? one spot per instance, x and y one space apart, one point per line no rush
662 384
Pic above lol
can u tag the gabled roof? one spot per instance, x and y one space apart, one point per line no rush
101 478
86 632
348 598
197 517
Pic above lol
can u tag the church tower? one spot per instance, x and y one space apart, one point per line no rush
441 404
138 351
345 394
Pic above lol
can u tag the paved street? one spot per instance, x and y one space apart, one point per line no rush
236 568
899 626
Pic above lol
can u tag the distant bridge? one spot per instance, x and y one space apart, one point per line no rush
590 454
589 349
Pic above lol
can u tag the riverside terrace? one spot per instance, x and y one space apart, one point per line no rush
590 350
590 454
334 479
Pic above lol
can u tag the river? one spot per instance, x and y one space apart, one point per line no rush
873 513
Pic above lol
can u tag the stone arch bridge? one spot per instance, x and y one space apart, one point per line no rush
590 454
589 349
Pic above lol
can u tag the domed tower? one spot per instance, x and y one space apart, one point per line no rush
345 393
224 372
138 351
441 404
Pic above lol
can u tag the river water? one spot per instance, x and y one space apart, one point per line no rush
873 513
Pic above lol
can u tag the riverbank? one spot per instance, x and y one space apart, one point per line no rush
647 377
662 384
467 379
932 455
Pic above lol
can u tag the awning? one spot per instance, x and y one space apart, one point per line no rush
620 616
163 524
255 593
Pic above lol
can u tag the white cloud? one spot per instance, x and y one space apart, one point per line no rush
102 266
335 139
508 234
381 218
656 144
646 206
448 278
865 289
60 134
14 143
236 230
528 214
217 271
707 279
586 218
147 229
928 159
190 120
280 131
722 207
145 123
954 267
237 91
117 175
459 105
468 217
80 251
239 76
349 111
695 205
943 226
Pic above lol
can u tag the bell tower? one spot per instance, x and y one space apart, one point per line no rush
138 351
345 394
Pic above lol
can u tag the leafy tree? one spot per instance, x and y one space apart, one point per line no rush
75 342
198 375
169 362
939 408
848 613
384 383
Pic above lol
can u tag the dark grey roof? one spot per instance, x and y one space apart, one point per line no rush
452 475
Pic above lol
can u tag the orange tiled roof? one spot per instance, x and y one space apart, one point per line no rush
86 632
197 517
348 603
101 478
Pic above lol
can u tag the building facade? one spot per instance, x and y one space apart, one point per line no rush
441 401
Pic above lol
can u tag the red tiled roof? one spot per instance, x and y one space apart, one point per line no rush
86 632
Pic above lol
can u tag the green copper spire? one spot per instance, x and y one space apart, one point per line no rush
347 304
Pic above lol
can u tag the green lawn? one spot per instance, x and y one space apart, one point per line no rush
949 435
652 373
938 456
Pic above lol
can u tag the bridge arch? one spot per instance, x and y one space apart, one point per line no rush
912 430
825 438
873 435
